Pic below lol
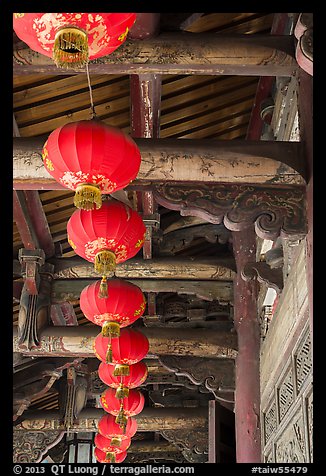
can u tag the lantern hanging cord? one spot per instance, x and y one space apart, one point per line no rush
93 113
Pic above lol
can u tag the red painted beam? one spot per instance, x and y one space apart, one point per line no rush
265 84
247 376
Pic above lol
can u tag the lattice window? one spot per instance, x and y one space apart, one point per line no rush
303 362
286 394
270 421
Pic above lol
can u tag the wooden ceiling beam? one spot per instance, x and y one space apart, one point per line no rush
77 341
207 290
215 269
150 419
187 160
181 53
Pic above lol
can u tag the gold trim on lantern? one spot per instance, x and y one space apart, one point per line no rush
70 48
111 329
87 195
121 370
104 262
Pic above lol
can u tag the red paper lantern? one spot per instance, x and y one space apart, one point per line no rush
109 445
107 236
123 306
109 457
129 348
124 407
122 383
108 427
73 38
92 159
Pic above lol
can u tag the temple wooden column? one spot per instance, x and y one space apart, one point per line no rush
247 387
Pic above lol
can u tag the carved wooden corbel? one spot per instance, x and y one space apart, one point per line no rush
34 310
193 444
273 278
31 446
273 210
217 375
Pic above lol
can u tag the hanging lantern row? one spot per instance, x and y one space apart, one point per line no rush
72 39
91 158
106 237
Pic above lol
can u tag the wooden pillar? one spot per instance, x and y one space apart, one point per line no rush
247 382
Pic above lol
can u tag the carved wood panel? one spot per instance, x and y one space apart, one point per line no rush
287 429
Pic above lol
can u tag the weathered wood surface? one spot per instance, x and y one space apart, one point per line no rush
181 53
146 446
166 268
69 341
185 160
207 290
150 419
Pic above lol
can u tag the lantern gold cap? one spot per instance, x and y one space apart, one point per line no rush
105 262
70 48
111 328
87 195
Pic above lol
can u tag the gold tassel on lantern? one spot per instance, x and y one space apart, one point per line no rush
108 357
110 456
103 291
104 262
122 392
121 418
87 195
70 48
111 329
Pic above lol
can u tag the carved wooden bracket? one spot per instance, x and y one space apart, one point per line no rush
193 444
31 446
273 210
34 311
217 375
31 261
304 33
272 277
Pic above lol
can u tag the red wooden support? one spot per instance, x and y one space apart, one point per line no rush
145 26
247 383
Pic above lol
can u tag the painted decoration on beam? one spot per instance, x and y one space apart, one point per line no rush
123 306
91 158
106 237
72 39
